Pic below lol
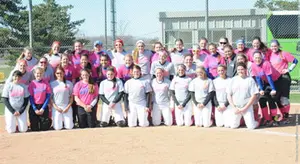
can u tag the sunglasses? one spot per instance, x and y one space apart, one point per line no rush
223 42
58 73
43 62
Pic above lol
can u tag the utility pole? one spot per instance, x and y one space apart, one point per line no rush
113 20
105 17
30 23
206 20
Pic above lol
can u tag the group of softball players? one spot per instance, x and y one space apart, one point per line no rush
204 85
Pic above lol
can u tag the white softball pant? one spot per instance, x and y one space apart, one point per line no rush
222 118
203 116
11 120
116 111
60 119
248 117
164 110
136 113
184 116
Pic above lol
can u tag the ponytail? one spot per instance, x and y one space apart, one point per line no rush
135 56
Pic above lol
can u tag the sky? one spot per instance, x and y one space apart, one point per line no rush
139 16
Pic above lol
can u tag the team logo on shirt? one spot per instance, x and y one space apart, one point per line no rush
17 93
39 90
84 90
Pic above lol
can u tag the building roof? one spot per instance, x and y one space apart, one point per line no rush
212 13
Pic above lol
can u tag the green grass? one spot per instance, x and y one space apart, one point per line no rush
295 98
6 71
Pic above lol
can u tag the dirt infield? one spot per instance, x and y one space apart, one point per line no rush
153 145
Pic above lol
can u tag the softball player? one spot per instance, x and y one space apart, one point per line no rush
161 99
96 54
102 69
242 58
76 54
240 47
222 43
118 54
15 97
142 58
258 45
177 56
222 114
279 60
48 74
137 99
157 47
26 76
202 91
190 66
111 92
54 56
69 70
212 61
269 83
241 93
62 100
203 46
125 71
230 60
86 97
27 55
198 55
181 96
169 70
40 93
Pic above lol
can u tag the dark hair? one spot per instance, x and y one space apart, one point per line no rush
225 38
262 46
212 44
241 64
114 80
188 55
178 39
17 73
243 56
59 67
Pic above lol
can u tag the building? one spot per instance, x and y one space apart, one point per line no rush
233 24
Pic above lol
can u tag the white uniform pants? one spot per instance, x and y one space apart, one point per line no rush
164 110
223 117
248 117
11 120
184 116
60 119
203 116
116 112
137 112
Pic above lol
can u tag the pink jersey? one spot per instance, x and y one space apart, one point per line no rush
263 70
266 55
155 57
81 90
221 51
80 67
94 58
124 73
53 60
280 60
75 58
38 90
212 61
245 51
70 72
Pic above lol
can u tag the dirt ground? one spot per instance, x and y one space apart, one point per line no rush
153 145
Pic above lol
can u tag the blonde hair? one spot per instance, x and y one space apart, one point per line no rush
23 52
202 69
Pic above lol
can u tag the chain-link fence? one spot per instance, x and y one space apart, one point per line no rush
150 21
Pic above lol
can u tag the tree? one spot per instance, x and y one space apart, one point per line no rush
50 21
277 4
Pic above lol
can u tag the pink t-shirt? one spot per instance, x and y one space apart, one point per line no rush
212 62
39 89
155 57
95 57
75 58
245 51
70 72
81 90
80 67
221 51
280 60
266 55
124 73
263 70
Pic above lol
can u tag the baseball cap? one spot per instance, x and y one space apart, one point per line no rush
98 42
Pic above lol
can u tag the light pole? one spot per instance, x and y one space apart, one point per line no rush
206 20
105 17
